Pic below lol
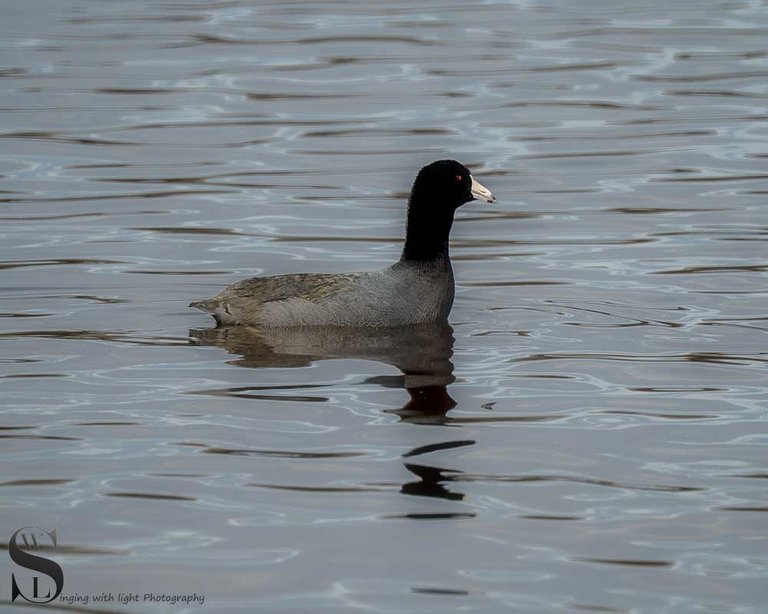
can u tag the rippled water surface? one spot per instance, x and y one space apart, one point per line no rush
589 436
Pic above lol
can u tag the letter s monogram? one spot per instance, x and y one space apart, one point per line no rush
35 563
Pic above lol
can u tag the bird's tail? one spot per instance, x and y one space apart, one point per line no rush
205 305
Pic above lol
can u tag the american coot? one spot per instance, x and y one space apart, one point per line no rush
417 289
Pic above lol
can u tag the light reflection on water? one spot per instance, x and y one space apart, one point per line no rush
589 435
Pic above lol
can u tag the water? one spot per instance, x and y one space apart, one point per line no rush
589 436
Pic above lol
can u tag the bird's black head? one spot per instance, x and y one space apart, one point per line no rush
447 184
440 188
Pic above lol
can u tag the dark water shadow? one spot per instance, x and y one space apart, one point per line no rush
421 353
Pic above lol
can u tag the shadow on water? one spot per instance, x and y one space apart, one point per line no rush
422 354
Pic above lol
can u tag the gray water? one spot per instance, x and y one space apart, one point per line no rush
588 437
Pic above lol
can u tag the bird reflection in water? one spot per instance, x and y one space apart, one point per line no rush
422 353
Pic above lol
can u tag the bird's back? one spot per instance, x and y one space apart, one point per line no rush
398 295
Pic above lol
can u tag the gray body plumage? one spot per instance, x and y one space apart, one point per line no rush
402 294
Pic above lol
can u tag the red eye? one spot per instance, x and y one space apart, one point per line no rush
459 178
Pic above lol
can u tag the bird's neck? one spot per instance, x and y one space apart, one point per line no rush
426 235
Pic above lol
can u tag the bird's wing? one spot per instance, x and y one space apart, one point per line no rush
247 300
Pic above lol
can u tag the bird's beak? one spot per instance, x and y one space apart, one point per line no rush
480 192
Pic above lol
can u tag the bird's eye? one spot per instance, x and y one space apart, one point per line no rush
459 178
